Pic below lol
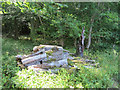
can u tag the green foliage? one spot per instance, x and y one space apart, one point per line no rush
25 79
53 21
102 77
50 22
93 78
9 65
8 70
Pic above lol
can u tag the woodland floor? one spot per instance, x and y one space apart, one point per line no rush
103 78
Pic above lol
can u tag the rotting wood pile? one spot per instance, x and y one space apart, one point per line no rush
50 57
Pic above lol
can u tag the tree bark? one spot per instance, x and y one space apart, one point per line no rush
83 38
32 29
78 47
90 31
80 44
91 27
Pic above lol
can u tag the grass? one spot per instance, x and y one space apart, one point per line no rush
103 77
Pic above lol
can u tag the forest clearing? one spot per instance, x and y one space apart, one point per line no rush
60 45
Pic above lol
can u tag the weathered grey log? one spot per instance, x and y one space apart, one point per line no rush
66 55
33 63
54 55
56 58
39 52
52 52
57 53
49 47
34 58
36 69
20 57
58 63
38 48
43 66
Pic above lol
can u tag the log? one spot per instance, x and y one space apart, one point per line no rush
43 66
34 63
33 58
38 48
55 58
37 53
58 55
37 69
49 47
59 63
20 57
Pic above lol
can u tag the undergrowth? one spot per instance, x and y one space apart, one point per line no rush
13 77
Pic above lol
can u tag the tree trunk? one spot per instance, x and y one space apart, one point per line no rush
90 31
79 48
91 27
80 44
32 30
83 38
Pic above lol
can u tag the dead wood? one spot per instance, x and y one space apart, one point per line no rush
33 58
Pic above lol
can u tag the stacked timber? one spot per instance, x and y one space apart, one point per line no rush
44 56
47 57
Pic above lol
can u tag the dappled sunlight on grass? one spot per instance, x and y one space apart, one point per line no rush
101 77
30 79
